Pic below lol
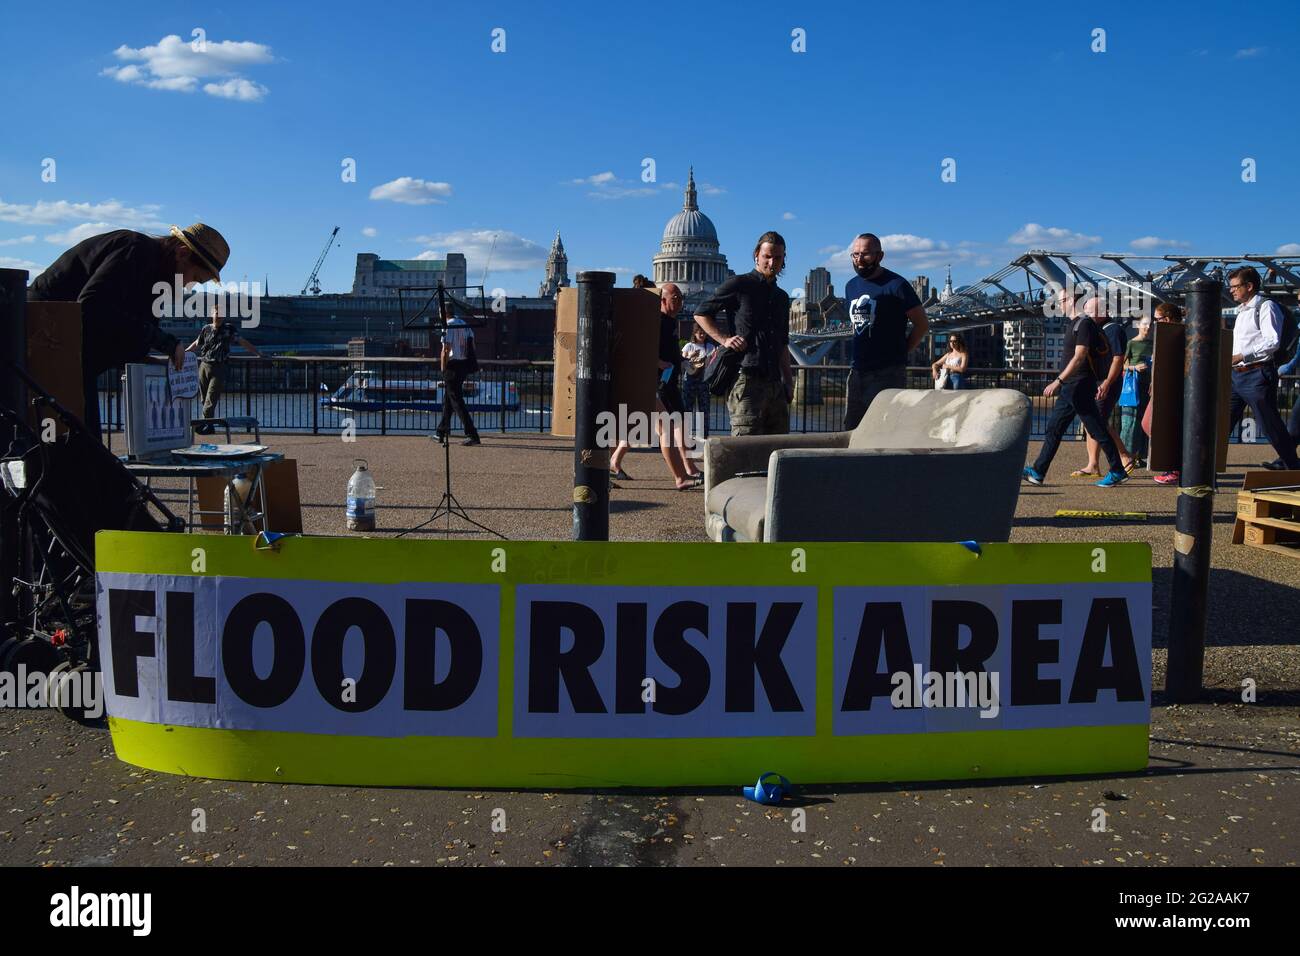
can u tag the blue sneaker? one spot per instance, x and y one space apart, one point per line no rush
1033 477
1112 479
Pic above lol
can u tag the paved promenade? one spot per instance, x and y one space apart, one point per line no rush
1223 786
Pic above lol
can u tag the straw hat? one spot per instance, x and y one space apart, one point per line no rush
206 243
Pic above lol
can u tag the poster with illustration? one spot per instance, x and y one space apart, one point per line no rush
157 420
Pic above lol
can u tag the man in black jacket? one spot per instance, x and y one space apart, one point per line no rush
759 402
114 276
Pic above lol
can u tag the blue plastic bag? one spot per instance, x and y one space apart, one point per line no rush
1128 395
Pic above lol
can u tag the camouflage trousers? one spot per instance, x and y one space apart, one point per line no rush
758 406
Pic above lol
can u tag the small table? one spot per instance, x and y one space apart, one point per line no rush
172 466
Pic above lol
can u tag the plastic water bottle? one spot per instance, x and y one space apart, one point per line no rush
361 499
241 487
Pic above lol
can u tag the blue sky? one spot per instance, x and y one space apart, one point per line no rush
1137 148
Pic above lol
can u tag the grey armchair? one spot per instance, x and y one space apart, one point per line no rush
921 466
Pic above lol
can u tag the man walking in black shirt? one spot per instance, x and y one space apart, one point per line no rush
1084 363
759 310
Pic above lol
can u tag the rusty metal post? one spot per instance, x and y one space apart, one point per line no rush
590 462
1194 525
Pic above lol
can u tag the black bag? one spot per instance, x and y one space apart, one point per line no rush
721 370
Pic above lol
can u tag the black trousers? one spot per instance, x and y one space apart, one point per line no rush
1257 387
453 398
1077 398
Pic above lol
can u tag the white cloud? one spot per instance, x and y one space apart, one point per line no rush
1248 52
74 235
20 241
49 213
1155 242
606 185
788 216
708 189
1289 249
237 88
369 232
907 252
1051 238
513 252
9 262
411 191
174 64
617 270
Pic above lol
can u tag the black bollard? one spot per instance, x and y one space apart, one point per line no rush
1193 529
13 395
590 463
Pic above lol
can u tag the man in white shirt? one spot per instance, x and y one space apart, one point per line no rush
1256 336
458 362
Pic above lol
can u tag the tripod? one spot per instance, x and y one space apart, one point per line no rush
448 505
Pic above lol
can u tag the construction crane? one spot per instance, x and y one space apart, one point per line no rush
313 280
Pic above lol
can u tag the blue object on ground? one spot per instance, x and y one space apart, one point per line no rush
971 546
769 794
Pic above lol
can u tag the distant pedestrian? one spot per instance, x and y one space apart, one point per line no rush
1084 362
759 311
1108 392
213 347
1256 337
1137 364
695 394
881 304
669 396
458 360
950 368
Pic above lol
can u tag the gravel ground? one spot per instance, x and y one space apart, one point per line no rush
1222 788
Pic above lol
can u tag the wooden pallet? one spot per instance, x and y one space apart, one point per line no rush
1270 520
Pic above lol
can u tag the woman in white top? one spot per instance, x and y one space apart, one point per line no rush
694 394
952 364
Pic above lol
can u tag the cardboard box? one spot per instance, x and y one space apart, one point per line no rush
54 358
634 359
1169 362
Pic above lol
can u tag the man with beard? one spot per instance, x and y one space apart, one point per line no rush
880 304
759 402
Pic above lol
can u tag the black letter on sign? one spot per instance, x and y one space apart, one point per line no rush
629 658
546 664
127 643
289 652
692 666
746 655
1107 617
182 682
946 620
380 645
424 618
882 624
1028 651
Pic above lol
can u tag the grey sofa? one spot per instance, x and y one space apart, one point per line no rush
923 465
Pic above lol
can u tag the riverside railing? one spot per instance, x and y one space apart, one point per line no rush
285 395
